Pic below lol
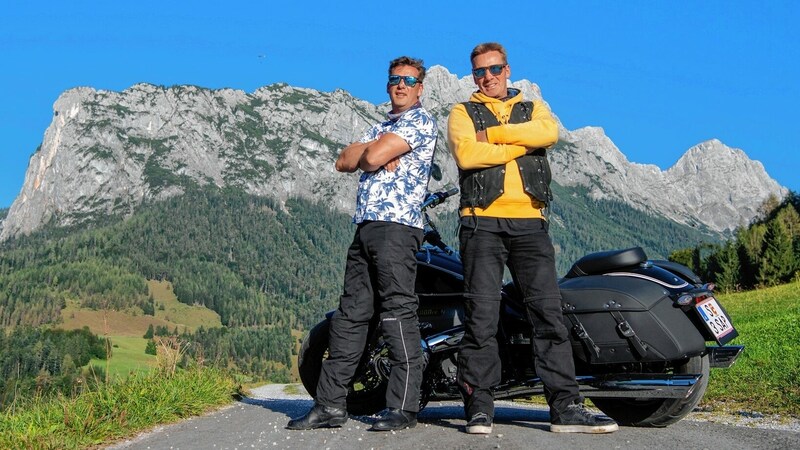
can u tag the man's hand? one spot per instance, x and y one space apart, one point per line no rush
480 136
393 164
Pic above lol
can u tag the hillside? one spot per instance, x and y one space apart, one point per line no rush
130 322
251 260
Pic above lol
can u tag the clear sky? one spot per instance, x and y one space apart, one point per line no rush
659 77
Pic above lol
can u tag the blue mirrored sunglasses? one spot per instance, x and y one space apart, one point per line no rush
495 70
394 80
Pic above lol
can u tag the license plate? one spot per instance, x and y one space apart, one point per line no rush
717 321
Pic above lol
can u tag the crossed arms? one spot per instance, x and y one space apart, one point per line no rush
371 156
499 144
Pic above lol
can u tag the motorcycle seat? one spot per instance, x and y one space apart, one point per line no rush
602 262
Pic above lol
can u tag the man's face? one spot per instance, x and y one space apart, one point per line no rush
402 95
495 86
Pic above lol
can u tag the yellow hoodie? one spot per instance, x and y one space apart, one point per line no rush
506 143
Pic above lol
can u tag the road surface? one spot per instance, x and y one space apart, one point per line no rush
258 422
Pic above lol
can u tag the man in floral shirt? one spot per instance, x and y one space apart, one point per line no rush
395 157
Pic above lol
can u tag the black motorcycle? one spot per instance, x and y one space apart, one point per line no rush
639 330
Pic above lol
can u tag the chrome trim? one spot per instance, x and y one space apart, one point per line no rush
724 357
443 341
636 385
645 277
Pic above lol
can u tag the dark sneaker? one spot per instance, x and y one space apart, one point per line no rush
395 419
576 419
319 416
479 423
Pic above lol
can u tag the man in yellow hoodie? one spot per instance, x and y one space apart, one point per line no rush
499 141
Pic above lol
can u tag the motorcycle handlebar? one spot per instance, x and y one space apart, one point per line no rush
436 198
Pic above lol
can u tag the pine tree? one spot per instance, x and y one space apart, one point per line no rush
791 219
683 256
148 308
728 270
149 333
151 347
777 261
751 243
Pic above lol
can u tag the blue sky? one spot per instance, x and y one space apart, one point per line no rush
659 77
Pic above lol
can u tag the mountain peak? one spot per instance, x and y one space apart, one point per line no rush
106 152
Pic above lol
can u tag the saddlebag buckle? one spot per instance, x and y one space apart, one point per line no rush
627 332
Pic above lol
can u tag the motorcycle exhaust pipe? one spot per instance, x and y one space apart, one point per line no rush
447 340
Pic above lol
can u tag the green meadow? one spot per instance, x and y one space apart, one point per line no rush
766 377
127 356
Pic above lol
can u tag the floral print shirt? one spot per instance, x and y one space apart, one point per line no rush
397 196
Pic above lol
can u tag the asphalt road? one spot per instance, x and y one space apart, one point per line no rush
258 422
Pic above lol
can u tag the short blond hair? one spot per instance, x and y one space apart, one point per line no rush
487 47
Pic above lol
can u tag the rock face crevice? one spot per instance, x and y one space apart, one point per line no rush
107 152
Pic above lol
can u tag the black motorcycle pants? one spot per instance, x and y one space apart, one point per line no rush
531 260
379 276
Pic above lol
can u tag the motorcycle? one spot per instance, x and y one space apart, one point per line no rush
638 330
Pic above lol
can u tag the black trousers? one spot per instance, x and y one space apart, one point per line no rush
531 259
379 276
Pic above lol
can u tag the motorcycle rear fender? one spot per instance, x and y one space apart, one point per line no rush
680 270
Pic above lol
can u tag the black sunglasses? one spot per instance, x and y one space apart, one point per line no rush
495 70
394 80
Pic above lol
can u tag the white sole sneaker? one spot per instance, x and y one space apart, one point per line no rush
590 429
479 429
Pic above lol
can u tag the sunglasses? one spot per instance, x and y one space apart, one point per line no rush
394 80
495 70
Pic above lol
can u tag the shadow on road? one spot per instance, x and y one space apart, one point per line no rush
440 414
452 416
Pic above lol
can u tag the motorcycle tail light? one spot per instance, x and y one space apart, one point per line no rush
685 299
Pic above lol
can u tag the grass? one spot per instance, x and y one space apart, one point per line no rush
294 371
126 328
291 389
190 317
109 412
127 356
133 323
766 377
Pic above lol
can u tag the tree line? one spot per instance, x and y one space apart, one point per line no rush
42 361
764 253
262 353
251 259
256 261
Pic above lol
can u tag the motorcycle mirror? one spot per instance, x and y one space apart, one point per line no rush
436 172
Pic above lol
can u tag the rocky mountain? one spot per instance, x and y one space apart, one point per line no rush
711 185
107 152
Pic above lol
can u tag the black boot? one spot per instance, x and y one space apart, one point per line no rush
319 416
395 419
